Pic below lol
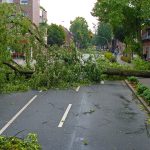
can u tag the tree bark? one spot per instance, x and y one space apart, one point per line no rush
19 71
126 73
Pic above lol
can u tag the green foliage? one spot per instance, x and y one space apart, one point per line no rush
13 83
110 57
144 92
126 59
104 34
56 35
14 143
65 70
133 80
140 64
124 14
79 29
119 33
146 95
141 88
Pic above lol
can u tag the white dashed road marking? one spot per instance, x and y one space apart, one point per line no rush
64 116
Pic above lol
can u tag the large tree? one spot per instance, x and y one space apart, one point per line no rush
56 35
79 29
132 15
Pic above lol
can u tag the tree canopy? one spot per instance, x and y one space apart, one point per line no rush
103 35
17 32
131 15
56 35
79 29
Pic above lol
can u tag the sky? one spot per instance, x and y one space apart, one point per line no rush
64 11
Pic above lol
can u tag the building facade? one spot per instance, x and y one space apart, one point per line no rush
43 15
31 8
146 42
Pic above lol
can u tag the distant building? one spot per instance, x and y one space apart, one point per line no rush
43 15
146 42
31 8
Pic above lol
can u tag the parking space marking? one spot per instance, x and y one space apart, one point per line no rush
64 116
17 115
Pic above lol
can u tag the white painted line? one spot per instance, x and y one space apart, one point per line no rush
41 91
17 115
78 88
64 116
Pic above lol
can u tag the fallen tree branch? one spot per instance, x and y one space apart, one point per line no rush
20 71
122 72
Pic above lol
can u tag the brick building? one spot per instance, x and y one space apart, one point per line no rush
31 8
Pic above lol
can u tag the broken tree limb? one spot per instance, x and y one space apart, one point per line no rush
109 71
20 71
126 73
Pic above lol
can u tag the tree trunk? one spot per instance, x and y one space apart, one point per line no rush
109 71
126 73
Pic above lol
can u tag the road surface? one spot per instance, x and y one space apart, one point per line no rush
98 117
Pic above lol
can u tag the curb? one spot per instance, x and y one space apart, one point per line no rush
139 98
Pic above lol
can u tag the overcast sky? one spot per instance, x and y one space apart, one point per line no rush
63 11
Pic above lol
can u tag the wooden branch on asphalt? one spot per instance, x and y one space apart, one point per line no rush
126 73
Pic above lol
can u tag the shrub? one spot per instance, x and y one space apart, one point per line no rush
133 80
126 59
141 88
146 95
110 57
14 143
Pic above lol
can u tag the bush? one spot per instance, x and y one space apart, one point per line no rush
110 57
146 95
141 88
14 143
126 59
133 80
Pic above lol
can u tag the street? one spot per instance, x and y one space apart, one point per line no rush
98 117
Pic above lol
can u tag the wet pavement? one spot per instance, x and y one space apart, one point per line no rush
102 117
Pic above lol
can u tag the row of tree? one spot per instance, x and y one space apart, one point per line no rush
79 31
126 17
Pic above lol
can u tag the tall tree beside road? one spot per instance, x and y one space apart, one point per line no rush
56 35
103 35
130 14
79 29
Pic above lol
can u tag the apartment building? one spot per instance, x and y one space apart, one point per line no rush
146 42
43 15
31 8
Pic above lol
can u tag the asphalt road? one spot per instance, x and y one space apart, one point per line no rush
105 117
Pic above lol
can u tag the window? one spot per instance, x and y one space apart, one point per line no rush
23 1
